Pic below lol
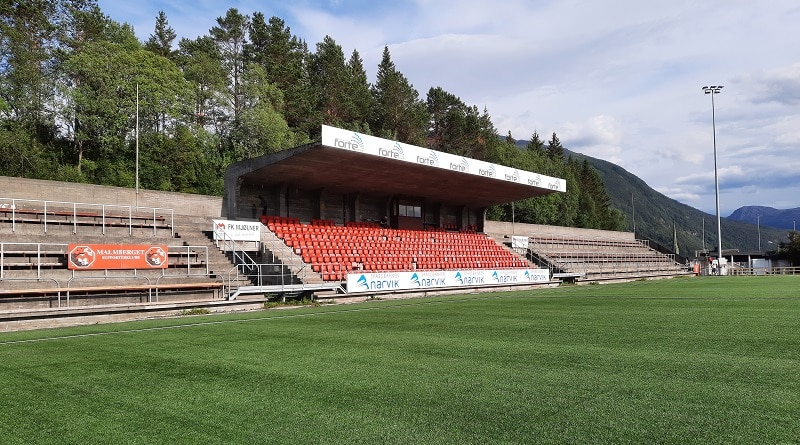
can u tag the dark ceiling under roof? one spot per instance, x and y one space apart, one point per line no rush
316 166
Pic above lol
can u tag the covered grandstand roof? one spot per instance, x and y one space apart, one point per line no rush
348 162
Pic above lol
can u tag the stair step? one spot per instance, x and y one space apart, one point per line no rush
193 232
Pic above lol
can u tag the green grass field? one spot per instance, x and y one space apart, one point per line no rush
689 360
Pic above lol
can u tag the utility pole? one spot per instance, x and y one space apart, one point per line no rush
713 90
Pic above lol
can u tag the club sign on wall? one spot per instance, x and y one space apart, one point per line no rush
117 256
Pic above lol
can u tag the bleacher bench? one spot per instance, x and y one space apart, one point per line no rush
568 276
112 289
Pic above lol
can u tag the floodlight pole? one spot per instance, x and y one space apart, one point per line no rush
137 146
712 90
633 215
759 232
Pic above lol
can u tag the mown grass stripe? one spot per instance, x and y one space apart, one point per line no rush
674 361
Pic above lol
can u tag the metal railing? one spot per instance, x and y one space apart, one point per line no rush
764 271
242 261
40 250
70 289
193 252
602 258
51 212
279 275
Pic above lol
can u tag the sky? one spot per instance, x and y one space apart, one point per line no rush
619 80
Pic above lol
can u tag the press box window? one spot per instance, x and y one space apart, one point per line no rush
410 210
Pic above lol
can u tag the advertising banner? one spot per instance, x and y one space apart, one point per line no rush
236 230
519 242
117 256
421 280
371 145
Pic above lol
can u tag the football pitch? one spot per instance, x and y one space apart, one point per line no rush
710 360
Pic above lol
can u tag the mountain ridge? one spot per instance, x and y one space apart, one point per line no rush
767 216
653 215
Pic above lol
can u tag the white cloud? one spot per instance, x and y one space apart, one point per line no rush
780 85
598 136
619 80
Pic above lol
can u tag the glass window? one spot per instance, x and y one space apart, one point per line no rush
411 210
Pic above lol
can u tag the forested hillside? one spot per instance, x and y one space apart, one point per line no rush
76 87
673 224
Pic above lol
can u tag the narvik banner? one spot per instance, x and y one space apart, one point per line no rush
369 282
371 145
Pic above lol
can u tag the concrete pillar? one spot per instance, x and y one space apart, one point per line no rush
318 209
481 223
232 189
281 196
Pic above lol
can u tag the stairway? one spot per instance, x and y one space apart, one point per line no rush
194 231
277 264
285 255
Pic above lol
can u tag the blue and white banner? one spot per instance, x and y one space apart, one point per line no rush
371 145
430 279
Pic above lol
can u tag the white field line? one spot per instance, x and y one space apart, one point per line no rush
247 320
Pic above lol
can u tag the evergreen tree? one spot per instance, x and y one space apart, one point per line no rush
588 214
201 63
399 113
231 36
284 59
358 91
445 110
486 135
160 42
255 48
330 80
535 145
554 149
457 128
510 139
791 250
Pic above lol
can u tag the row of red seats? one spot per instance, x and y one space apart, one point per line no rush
489 260
471 228
364 224
394 246
322 223
323 226
381 235
279 220
387 265
333 251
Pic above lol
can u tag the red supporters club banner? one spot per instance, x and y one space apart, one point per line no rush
117 256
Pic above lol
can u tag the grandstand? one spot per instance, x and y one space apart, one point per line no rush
574 254
348 215
597 259
38 242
